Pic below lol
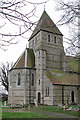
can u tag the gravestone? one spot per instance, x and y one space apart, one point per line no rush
4 103
36 103
78 107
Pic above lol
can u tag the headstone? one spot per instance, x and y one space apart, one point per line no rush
70 109
60 105
78 107
36 104
4 103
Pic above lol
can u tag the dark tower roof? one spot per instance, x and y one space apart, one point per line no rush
46 24
30 59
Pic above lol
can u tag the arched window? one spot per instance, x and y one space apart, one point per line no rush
39 52
48 91
72 96
33 43
48 38
39 82
32 79
39 97
36 40
19 79
55 39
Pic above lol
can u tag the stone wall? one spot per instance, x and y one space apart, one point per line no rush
48 99
57 94
20 93
40 61
55 56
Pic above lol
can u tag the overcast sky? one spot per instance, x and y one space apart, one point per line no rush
14 51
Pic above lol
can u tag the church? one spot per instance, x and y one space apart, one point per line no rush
43 72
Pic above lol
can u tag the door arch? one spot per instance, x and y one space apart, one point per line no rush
39 97
72 96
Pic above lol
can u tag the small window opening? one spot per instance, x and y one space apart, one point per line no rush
48 38
33 43
32 79
72 96
39 82
55 39
47 91
35 40
39 52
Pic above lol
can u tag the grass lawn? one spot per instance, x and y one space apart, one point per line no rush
35 112
22 115
59 110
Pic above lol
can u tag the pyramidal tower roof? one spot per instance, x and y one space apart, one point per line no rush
46 24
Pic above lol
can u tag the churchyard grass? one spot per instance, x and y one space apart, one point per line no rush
22 115
8 112
60 109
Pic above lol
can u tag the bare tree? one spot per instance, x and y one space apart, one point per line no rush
70 16
16 14
4 69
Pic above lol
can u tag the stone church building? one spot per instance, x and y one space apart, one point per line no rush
43 72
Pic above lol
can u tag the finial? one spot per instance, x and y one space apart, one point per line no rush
44 7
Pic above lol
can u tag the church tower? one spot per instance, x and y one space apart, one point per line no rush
38 74
47 43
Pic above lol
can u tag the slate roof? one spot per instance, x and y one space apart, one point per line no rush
20 63
46 24
62 78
